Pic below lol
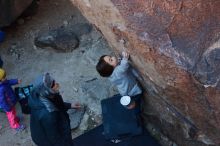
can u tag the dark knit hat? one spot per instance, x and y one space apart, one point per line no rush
48 80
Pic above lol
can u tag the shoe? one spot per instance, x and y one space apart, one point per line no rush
115 140
20 119
20 128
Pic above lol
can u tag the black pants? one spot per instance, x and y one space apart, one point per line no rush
137 99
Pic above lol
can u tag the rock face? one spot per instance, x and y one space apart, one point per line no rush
175 44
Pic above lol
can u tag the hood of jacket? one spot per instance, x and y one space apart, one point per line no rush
39 97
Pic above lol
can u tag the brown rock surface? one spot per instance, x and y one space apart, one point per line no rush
175 44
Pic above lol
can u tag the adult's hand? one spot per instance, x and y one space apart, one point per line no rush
19 81
75 105
125 55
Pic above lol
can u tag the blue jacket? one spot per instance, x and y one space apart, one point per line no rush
7 96
125 78
49 121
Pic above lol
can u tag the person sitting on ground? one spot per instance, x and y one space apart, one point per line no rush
8 100
122 75
49 121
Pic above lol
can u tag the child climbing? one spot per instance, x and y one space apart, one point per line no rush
122 75
8 100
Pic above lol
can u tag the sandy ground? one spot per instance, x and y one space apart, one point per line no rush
74 71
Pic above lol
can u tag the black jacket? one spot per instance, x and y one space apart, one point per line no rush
49 121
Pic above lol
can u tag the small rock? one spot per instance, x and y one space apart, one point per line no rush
75 89
205 139
84 122
65 23
76 117
35 48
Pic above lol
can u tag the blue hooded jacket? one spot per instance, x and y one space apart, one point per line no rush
49 123
7 96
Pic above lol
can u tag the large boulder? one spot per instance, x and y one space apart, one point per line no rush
175 44
11 9
63 39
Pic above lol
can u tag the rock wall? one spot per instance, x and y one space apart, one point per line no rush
175 44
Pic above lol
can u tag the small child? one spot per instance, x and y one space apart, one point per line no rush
8 100
122 75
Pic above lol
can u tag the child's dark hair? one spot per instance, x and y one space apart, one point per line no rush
103 68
